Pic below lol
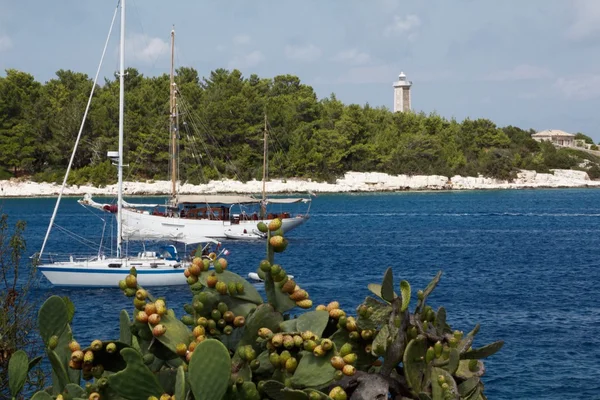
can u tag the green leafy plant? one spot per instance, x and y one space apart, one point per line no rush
232 344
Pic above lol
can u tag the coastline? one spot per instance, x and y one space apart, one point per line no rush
351 182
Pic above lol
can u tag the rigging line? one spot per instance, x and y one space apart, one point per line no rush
84 241
87 108
195 118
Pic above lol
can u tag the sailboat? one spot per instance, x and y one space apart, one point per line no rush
154 268
213 216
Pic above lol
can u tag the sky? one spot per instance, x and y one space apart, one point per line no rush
527 63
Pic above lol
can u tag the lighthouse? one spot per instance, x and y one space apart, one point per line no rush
402 94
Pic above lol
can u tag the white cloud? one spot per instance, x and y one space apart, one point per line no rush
241 39
586 19
520 72
582 87
352 56
5 43
144 48
248 60
406 26
305 53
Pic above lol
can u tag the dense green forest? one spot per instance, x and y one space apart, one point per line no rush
221 124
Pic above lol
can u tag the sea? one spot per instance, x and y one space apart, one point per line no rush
522 263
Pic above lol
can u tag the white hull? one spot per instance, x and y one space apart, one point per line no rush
97 273
253 235
184 227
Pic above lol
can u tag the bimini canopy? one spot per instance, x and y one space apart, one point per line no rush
232 199
216 199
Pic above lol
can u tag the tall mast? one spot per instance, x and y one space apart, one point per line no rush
263 203
121 115
173 123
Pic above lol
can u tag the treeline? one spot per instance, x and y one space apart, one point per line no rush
221 132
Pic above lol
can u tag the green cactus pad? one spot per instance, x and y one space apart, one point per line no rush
405 293
453 361
291 325
18 366
60 377
250 293
376 289
424 396
53 317
381 340
387 286
440 321
136 381
180 384
314 321
427 291
482 352
415 368
177 332
263 317
75 390
464 372
436 389
70 308
42 396
468 386
313 371
294 394
381 314
209 370
238 306
125 330
274 389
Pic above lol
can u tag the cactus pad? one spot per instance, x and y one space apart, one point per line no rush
415 367
483 352
136 381
250 293
313 371
18 366
52 318
405 293
210 367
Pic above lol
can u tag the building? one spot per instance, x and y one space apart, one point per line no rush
557 137
402 94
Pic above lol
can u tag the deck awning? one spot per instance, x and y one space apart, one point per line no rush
216 199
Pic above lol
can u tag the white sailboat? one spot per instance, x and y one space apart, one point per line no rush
154 268
213 216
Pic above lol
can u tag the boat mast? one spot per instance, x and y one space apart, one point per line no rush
121 115
173 124
263 203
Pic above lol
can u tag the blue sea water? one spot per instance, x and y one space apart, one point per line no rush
524 264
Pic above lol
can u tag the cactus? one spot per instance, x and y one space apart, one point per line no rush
210 366
231 344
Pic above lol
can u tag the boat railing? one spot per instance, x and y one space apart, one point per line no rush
54 258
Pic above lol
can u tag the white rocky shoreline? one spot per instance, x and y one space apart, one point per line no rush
351 182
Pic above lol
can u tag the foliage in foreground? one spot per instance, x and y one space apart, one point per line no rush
231 344
17 306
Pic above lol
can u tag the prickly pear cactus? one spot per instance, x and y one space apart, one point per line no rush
230 343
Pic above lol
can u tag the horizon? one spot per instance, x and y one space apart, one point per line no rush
528 65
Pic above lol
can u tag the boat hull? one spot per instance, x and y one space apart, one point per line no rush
184 227
99 274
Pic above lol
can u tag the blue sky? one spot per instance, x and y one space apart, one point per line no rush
533 64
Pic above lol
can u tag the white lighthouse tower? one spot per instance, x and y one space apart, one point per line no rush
402 94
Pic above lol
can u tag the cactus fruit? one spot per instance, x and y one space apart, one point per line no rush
305 304
262 227
349 370
153 319
211 281
131 281
337 362
338 393
53 342
265 266
274 224
96 345
159 330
